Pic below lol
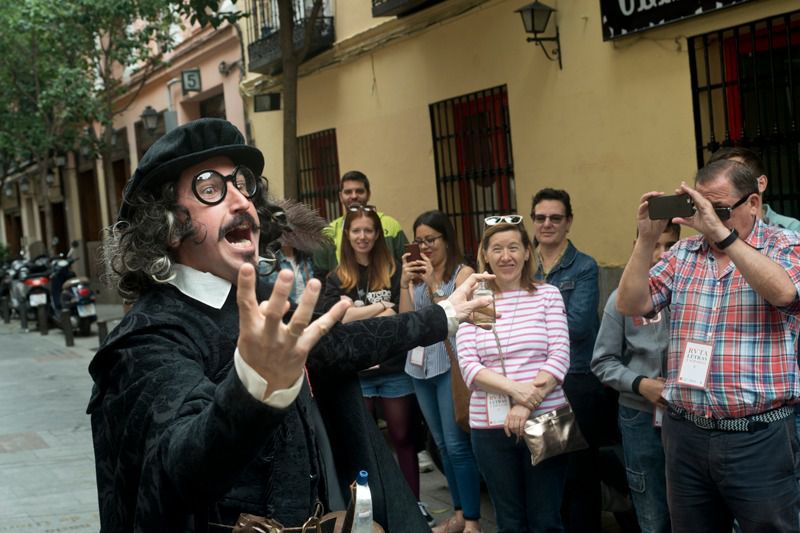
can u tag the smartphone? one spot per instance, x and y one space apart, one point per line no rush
669 207
413 249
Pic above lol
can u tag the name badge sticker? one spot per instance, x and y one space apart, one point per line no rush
695 365
497 407
418 356
658 416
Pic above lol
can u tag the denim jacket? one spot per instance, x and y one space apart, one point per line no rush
576 278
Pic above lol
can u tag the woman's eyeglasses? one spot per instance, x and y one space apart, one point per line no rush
555 219
210 186
427 241
502 219
358 207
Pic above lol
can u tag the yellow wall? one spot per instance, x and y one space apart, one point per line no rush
615 122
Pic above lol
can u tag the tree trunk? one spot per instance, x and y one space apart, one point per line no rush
291 170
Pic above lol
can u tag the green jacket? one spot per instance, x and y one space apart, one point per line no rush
326 260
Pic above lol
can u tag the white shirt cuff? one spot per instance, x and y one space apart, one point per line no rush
257 385
452 320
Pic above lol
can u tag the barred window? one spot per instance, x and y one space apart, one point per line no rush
746 91
319 172
474 165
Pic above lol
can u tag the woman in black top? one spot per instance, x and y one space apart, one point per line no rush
369 276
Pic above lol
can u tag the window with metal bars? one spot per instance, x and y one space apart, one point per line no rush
474 165
319 172
746 91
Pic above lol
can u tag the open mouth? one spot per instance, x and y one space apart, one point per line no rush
240 236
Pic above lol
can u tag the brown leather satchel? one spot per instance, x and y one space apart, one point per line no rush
459 389
334 522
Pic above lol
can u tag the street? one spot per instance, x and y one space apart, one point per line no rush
46 458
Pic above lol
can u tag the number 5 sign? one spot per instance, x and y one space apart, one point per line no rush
190 81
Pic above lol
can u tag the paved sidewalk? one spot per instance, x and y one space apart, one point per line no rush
47 478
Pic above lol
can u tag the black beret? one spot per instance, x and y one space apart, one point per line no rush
187 145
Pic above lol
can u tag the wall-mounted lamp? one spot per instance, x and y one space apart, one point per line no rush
8 190
535 17
50 179
24 185
149 119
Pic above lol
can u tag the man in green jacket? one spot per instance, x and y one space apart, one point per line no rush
354 189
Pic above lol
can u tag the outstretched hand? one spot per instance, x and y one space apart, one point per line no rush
275 350
460 299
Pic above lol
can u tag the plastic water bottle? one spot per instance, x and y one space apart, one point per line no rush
362 517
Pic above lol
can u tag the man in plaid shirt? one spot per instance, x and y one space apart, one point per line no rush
732 372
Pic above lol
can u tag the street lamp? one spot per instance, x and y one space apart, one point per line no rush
535 17
150 119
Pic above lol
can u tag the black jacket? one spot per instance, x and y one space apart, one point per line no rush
177 437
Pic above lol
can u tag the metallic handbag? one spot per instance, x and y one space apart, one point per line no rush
552 434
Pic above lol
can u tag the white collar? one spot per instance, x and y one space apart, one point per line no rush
201 286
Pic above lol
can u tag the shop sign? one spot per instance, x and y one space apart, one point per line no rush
622 17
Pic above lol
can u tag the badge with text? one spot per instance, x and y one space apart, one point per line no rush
418 356
497 408
658 417
695 365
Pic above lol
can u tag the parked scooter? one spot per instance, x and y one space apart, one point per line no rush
30 287
73 293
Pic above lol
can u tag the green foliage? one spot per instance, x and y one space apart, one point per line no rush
63 63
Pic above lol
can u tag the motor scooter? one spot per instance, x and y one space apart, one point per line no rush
73 293
30 288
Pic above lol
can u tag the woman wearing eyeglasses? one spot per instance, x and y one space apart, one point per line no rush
369 275
515 371
432 278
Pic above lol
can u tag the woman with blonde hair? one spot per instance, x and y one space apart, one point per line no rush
515 371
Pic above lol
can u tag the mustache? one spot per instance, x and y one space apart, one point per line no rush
238 220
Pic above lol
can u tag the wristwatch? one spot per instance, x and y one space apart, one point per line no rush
439 293
727 241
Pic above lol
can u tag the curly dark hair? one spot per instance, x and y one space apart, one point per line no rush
136 251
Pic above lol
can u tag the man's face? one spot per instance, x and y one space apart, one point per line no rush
721 193
666 241
550 223
353 192
226 233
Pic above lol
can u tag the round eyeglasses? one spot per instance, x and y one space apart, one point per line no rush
210 186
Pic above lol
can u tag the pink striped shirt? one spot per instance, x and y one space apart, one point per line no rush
533 336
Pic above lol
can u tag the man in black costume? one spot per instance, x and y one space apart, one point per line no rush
206 404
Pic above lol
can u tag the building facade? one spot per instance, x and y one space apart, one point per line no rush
446 105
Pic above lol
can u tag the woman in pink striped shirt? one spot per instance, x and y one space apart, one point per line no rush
515 372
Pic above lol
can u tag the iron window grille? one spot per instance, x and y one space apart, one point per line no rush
474 163
746 92
319 172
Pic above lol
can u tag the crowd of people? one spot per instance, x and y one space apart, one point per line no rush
266 352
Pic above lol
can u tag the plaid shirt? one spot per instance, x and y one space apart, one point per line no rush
754 350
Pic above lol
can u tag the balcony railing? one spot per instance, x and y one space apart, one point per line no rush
264 47
388 8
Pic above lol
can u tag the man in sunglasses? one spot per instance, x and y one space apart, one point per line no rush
575 274
210 400
732 374
354 191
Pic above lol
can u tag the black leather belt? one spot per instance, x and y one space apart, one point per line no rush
745 424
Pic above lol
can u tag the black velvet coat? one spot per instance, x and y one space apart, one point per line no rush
178 438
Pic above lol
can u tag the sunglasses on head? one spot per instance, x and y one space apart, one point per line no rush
502 219
358 207
724 213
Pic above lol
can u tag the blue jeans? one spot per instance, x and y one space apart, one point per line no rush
716 476
526 498
644 463
436 402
